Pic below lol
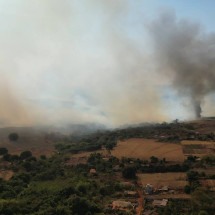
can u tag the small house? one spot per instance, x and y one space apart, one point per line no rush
149 189
160 203
164 189
93 171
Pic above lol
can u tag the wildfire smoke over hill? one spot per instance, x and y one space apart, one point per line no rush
60 64
188 54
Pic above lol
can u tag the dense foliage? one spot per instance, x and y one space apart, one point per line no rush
54 186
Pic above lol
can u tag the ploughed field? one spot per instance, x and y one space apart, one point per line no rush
198 148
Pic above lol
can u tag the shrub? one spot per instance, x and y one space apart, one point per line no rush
13 136
129 173
3 151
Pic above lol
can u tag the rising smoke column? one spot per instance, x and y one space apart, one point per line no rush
186 54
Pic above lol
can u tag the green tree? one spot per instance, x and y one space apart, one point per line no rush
82 206
43 157
202 199
203 213
26 154
14 158
7 157
187 189
129 173
13 136
3 151
192 176
154 159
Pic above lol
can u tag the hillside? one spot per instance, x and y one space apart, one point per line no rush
134 170
41 140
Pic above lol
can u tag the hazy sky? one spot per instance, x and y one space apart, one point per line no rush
77 61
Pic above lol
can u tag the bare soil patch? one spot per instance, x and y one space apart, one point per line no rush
6 174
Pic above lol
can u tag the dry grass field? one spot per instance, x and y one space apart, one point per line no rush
145 148
37 148
197 142
29 139
157 180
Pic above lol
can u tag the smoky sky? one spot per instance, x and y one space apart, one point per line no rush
187 54
90 61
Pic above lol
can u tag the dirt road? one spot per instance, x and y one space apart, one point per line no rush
140 208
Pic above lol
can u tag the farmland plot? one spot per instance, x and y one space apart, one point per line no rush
145 148
158 180
200 148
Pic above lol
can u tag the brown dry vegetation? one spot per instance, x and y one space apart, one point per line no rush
207 171
145 148
198 148
197 142
203 126
6 174
171 196
209 183
87 154
37 148
157 180
29 139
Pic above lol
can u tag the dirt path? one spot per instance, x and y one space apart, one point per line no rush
140 208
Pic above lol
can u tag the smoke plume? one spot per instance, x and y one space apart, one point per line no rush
87 61
187 55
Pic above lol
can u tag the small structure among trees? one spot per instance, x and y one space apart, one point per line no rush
160 203
149 189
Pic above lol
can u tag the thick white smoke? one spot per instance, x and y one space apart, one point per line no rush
79 62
